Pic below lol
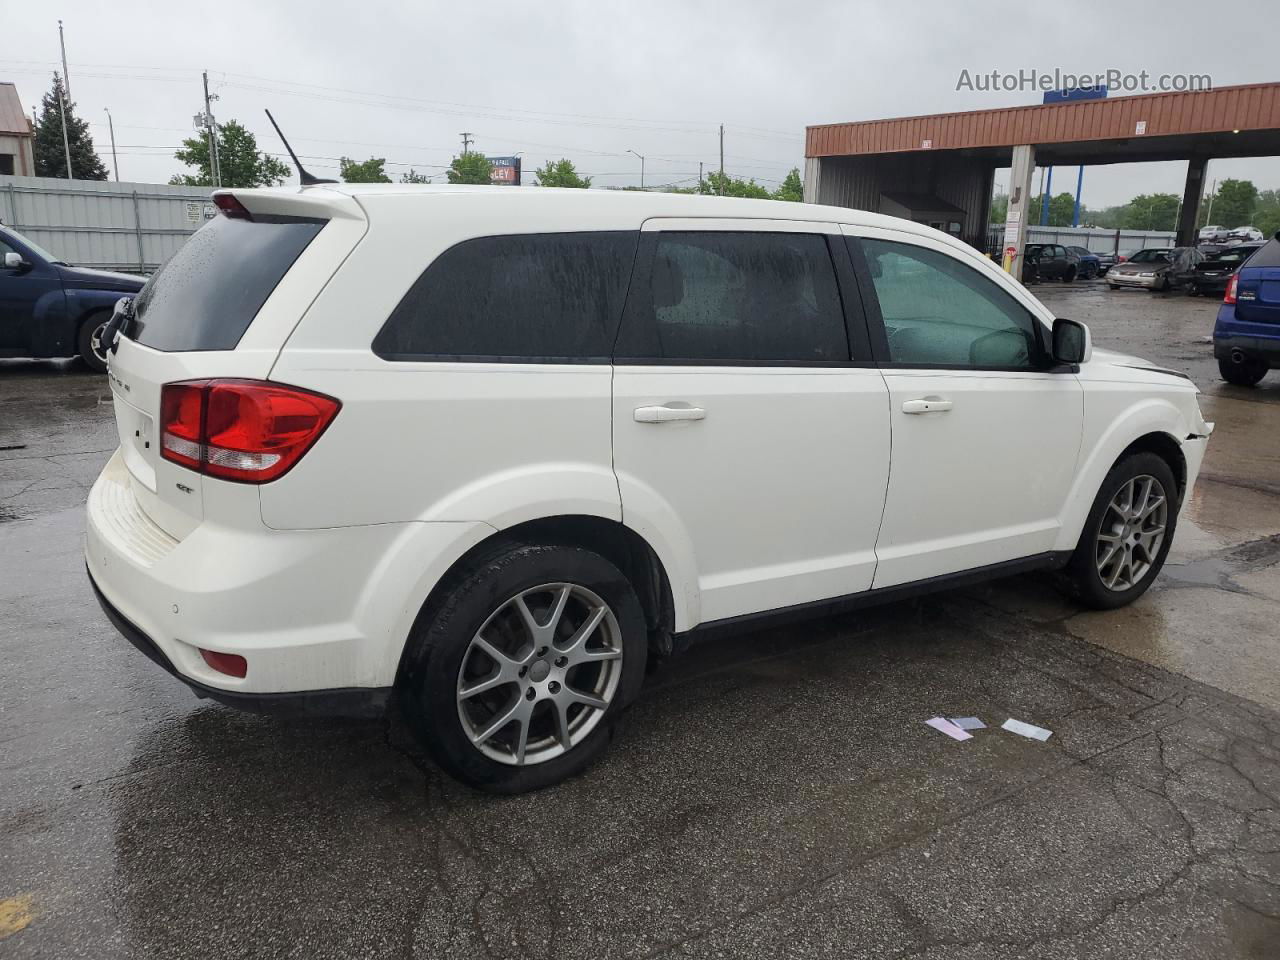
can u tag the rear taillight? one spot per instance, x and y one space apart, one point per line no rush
248 431
1230 295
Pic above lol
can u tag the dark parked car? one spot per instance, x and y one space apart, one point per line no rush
1246 338
49 308
1048 261
1088 263
1212 274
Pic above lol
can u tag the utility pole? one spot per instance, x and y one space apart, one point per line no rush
699 176
466 143
211 131
66 142
1213 193
641 156
720 190
115 164
66 77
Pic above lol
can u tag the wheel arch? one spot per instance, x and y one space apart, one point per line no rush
619 544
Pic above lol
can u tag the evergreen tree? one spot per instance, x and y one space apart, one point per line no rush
50 152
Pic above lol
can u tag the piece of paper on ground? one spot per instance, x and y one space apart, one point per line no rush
968 723
1026 729
943 725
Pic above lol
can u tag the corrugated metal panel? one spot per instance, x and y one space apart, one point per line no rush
1252 107
112 226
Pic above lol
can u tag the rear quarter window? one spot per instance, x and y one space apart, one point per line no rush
543 296
207 294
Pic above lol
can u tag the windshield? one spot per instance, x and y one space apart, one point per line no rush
35 248
1150 256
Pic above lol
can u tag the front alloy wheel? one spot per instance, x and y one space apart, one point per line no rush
539 674
1131 533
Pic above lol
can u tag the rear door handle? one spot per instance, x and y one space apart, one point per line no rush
927 405
664 413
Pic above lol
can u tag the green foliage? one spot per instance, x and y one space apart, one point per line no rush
1266 215
239 161
414 177
560 173
370 171
1061 209
792 187
49 149
470 168
1235 203
724 185
1155 211
999 209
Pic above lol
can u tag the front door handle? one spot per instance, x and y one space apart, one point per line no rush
927 405
664 413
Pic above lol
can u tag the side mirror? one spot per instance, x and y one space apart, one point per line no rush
14 261
1071 342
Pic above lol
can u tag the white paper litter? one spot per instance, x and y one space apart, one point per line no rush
968 723
943 725
1026 729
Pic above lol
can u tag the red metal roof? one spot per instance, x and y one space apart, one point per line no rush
1251 107
12 118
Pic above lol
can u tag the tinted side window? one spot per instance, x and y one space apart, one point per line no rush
208 293
939 312
546 296
737 296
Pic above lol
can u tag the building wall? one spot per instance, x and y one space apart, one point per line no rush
133 227
20 148
858 182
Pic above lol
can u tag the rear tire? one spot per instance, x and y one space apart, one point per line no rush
1069 275
1246 373
535 677
1119 555
89 341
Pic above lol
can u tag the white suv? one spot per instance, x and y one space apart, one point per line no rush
493 448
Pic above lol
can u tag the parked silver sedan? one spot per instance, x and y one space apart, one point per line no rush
1154 268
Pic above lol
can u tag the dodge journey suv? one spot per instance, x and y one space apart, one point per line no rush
491 449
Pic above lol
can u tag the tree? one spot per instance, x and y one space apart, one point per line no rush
1235 203
470 168
1266 215
414 177
370 171
721 184
1156 211
240 163
999 209
792 187
560 173
49 149
1061 210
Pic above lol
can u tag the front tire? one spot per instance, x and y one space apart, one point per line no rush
516 678
1127 534
89 342
1247 373
1069 275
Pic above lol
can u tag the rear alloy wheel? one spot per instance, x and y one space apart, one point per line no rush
1127 534
90 342
517 677
1243 373
1069 275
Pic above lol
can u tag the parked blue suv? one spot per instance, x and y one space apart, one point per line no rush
1246 338
49 308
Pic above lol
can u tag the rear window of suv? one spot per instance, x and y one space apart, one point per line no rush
543 296
208 293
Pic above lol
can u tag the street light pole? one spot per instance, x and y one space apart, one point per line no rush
115 164
641 167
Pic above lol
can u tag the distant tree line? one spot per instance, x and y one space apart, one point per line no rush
1235 203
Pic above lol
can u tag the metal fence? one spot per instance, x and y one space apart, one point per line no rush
1095 239
133 227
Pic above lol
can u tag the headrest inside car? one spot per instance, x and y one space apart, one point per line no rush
668 282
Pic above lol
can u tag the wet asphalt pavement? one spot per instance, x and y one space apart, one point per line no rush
774 794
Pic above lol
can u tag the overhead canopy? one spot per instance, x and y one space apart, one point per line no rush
1241 121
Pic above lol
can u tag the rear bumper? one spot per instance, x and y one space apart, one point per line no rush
1260 340
320 616
349 702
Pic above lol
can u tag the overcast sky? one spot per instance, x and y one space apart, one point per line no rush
591 81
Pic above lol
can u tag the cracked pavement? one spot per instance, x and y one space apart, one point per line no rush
774 794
